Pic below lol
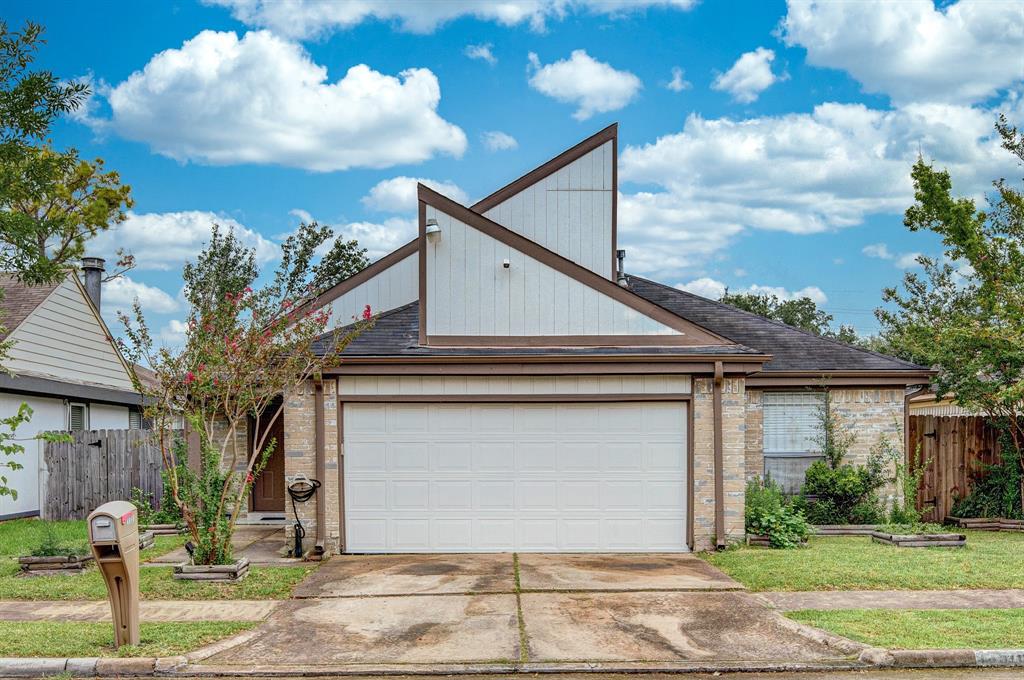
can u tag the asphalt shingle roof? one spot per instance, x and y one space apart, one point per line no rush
19 300
791 348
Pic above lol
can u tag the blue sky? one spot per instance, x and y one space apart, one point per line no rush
762 144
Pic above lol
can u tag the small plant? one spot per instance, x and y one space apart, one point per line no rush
912 528
907 478
769 513
168 512
52 545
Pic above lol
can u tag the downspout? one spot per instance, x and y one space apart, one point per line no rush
719 462
321 464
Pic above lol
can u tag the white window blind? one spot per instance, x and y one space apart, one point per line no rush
78 417
791 421
134 420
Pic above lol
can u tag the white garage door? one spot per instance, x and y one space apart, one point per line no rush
527 477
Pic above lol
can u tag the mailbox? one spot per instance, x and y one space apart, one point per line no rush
114 536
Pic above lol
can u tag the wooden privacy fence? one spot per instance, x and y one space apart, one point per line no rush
954 446
98 466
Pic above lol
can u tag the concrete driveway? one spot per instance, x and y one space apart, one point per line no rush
529 611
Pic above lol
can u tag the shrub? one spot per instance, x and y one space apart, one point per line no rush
52 545
995 489
845 494
168 512
768 513
910 528
904 510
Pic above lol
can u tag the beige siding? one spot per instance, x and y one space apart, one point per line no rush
469 292
63 339
513 385
569 211
395 286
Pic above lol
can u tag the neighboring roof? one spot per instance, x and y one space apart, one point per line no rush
792 349
396 334
20 300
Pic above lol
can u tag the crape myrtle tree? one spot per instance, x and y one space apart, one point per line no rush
245 345
965 314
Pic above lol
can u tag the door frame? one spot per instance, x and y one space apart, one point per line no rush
685 398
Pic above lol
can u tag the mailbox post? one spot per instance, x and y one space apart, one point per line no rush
114 536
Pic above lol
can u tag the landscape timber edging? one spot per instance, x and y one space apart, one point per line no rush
47 566
920 540
225 573
986 523
843 529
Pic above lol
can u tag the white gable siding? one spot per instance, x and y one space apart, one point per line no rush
395 286
469 292
569 211
62 339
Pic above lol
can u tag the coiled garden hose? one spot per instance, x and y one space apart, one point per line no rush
301 490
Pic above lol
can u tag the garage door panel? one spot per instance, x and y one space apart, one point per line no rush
528 477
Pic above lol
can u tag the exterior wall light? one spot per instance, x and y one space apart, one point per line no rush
433 230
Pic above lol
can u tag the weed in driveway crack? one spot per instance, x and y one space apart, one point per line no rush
524 640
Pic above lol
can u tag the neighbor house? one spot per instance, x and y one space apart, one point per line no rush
520 391
65 365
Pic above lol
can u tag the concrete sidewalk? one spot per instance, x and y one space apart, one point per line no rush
149 610
897 599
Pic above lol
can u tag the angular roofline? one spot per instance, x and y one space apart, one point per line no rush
362 276
909 365
610 133
428 196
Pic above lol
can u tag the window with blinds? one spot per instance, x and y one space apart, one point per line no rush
790 430
78 417
791 421
134 420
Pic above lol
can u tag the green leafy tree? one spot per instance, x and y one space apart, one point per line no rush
965 314
802 313
246 344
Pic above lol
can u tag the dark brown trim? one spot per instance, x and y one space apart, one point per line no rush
559 341
320 461
422 245
46 387
341 474
689 474
719 460
551 366
615 204
510 398
554 165
838 379
362 276
699 336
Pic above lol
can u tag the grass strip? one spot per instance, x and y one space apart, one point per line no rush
77 639
990 560
923 628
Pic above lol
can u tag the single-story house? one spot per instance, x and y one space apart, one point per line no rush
521 391
65 365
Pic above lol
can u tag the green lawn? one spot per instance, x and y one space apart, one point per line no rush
990 560
77 639
18 536
923 629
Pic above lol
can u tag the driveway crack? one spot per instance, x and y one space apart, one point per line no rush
524 639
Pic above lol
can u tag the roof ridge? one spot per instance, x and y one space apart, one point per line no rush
724 305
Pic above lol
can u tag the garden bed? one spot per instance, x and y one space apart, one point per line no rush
226 573
986 523
162 529
920 540
54 565
844 529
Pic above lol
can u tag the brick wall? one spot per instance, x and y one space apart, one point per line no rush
733 458
754 435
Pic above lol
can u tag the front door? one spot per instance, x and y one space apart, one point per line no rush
269 489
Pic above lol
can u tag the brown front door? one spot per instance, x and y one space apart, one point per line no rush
269 488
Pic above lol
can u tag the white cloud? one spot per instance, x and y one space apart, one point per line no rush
165 241
398 194
173 333
901 260
593 86
121 293
496 140
713 290
260 99
678 82
749 76
316 18
799 173
482 52
379 238
913 50
877 250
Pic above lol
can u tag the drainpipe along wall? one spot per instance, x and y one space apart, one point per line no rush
719 463
321 464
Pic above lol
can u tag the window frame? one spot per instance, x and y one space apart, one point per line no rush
85 415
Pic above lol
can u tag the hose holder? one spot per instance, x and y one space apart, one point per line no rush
301 489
